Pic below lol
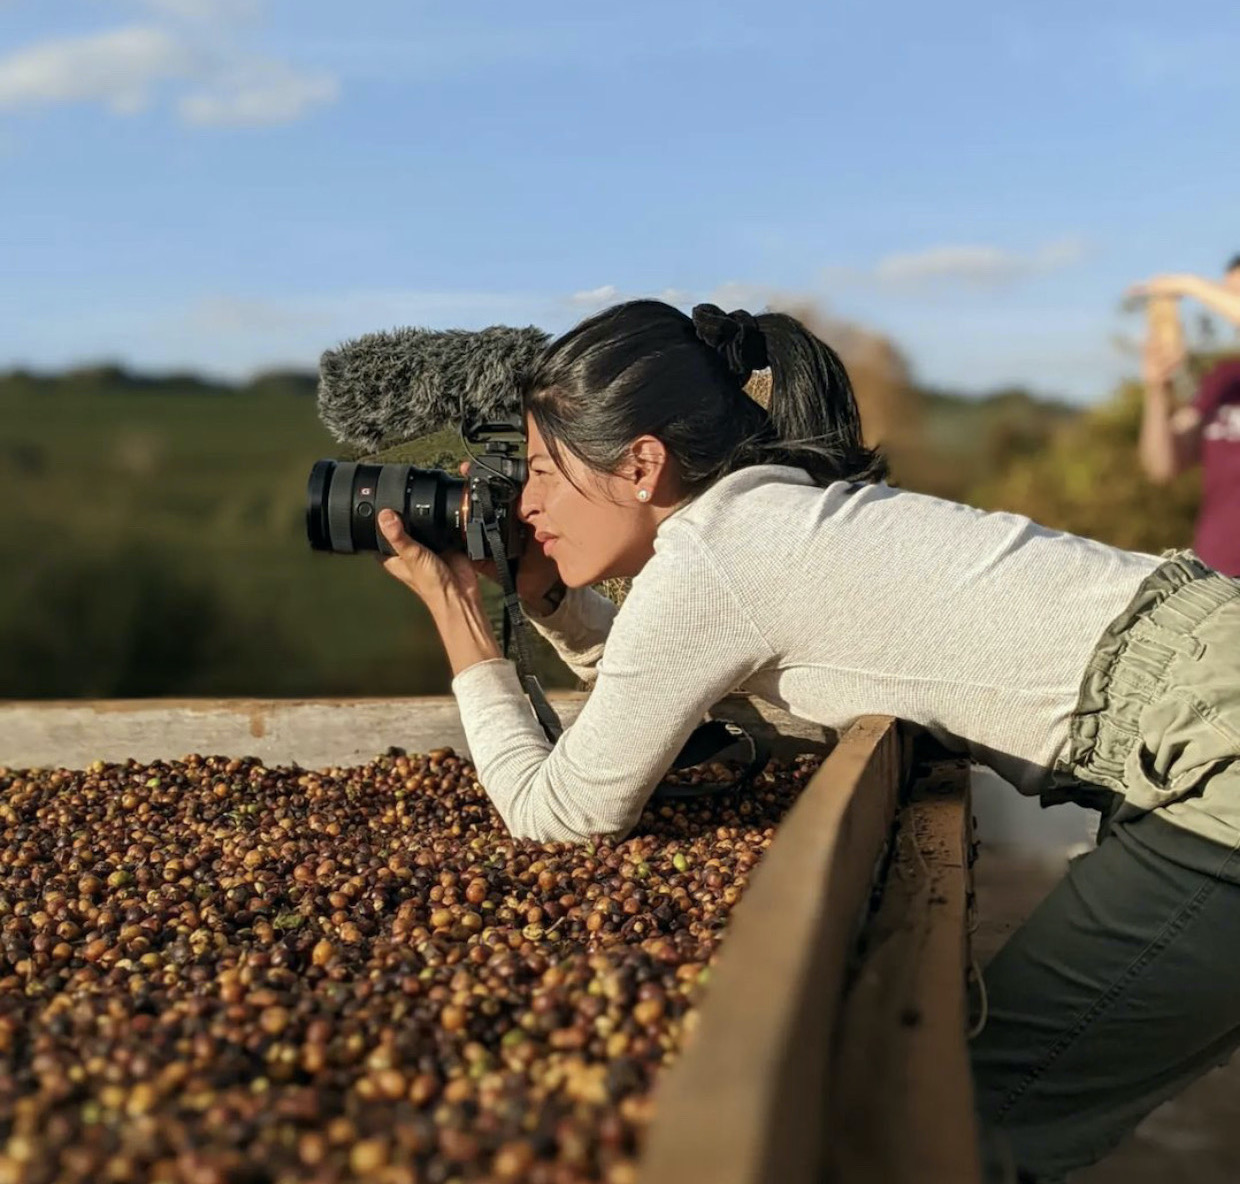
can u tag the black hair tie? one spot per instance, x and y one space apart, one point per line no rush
735 336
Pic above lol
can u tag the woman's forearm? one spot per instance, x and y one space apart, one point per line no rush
466 633
577 629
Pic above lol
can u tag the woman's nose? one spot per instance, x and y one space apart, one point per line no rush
525 506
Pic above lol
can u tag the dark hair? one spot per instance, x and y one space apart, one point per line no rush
644 368
1232 265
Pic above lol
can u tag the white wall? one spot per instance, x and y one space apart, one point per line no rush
1011 819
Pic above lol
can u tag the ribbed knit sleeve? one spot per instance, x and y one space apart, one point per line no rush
679 643
578 629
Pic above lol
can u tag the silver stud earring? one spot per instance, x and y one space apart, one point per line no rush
643 494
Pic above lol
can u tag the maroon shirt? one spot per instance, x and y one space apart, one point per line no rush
1218 525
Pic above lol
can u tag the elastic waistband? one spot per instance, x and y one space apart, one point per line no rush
1129 666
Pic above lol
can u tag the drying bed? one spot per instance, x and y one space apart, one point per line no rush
213 971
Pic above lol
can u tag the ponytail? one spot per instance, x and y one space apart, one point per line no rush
812 420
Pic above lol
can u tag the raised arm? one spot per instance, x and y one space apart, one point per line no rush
1170 440
679 644
1217 297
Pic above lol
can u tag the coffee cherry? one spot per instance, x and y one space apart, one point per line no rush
210 968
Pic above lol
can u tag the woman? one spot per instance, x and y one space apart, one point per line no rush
767 554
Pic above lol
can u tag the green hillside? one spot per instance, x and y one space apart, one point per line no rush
153 540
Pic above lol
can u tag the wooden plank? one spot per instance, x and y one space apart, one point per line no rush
902 1109
743 1104
314 733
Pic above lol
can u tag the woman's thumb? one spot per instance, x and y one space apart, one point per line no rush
394 531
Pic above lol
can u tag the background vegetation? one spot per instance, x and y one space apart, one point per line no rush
152 539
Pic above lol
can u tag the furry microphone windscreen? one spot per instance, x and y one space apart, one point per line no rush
400 384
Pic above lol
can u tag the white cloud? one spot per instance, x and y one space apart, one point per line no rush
119 69
258 93
596 297
734 294
974 266
125 69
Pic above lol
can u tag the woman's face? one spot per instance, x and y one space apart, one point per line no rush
595 526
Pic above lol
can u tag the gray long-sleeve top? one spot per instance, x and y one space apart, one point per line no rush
830 603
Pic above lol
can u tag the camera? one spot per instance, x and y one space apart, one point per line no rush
443 511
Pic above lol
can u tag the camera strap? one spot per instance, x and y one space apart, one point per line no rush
516 626
708 741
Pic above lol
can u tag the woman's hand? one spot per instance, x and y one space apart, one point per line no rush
448 585
537 576
438 579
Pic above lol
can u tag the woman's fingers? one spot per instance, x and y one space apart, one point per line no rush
412 564
421 569
394 531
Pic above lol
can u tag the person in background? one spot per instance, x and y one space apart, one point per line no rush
1205 431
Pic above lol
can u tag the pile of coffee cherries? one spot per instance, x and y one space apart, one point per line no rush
213 972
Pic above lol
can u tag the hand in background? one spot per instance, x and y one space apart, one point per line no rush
1159 362
1165 285
1218 298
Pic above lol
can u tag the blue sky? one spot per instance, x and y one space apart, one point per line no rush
228 185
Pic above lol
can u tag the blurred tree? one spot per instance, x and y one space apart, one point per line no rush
123 625
107 376
1087 480
282 382
890 404
963 441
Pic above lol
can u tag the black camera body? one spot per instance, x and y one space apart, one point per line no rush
442 511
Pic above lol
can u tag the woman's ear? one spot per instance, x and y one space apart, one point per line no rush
648 461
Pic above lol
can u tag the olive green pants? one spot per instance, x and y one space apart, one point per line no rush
1124 985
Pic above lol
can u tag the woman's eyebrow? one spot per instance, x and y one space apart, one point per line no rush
536 456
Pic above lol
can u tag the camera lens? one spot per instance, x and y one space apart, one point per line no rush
316 505
343 500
